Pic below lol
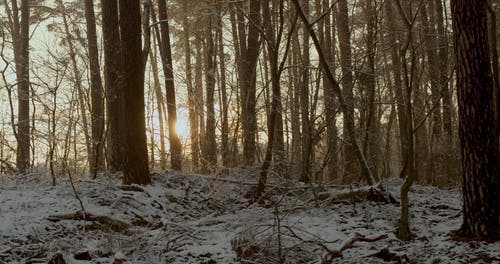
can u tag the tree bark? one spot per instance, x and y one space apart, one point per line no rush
250 47
135 170
96 92
112 80
479 143
23 85
209 149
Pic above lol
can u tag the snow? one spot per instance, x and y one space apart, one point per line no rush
189 218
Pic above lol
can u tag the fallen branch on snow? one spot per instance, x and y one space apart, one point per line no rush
336 253
114 224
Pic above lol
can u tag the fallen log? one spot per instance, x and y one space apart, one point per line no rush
369 193
114 224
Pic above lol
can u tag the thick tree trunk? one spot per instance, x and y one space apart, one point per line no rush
479 143
135 168
96 92
112 80
166 55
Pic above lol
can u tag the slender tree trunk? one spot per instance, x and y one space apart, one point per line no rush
349 123
160 105
443 73
273 45
193 115
436 159
403 231
78 84
166 54
304 102
199 99
209 149
224 112
329 93
295 105
344 35
96 92
398 87
21 43
247 80
372 122
477 130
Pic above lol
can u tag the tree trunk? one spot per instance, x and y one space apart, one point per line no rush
135 168
224 110
351 169
160 104
443 73
96 92
23 85
398 87
247 80
199 99
304 102
209 149
372 122
479 143
275 116
329 94
112 80
166 55
436 159
193 115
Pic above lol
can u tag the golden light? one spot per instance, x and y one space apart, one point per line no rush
182 126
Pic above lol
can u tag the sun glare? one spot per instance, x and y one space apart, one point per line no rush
182 127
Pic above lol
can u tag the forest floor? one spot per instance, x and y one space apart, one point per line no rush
188 218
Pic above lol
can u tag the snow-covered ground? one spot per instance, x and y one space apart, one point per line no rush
187 218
